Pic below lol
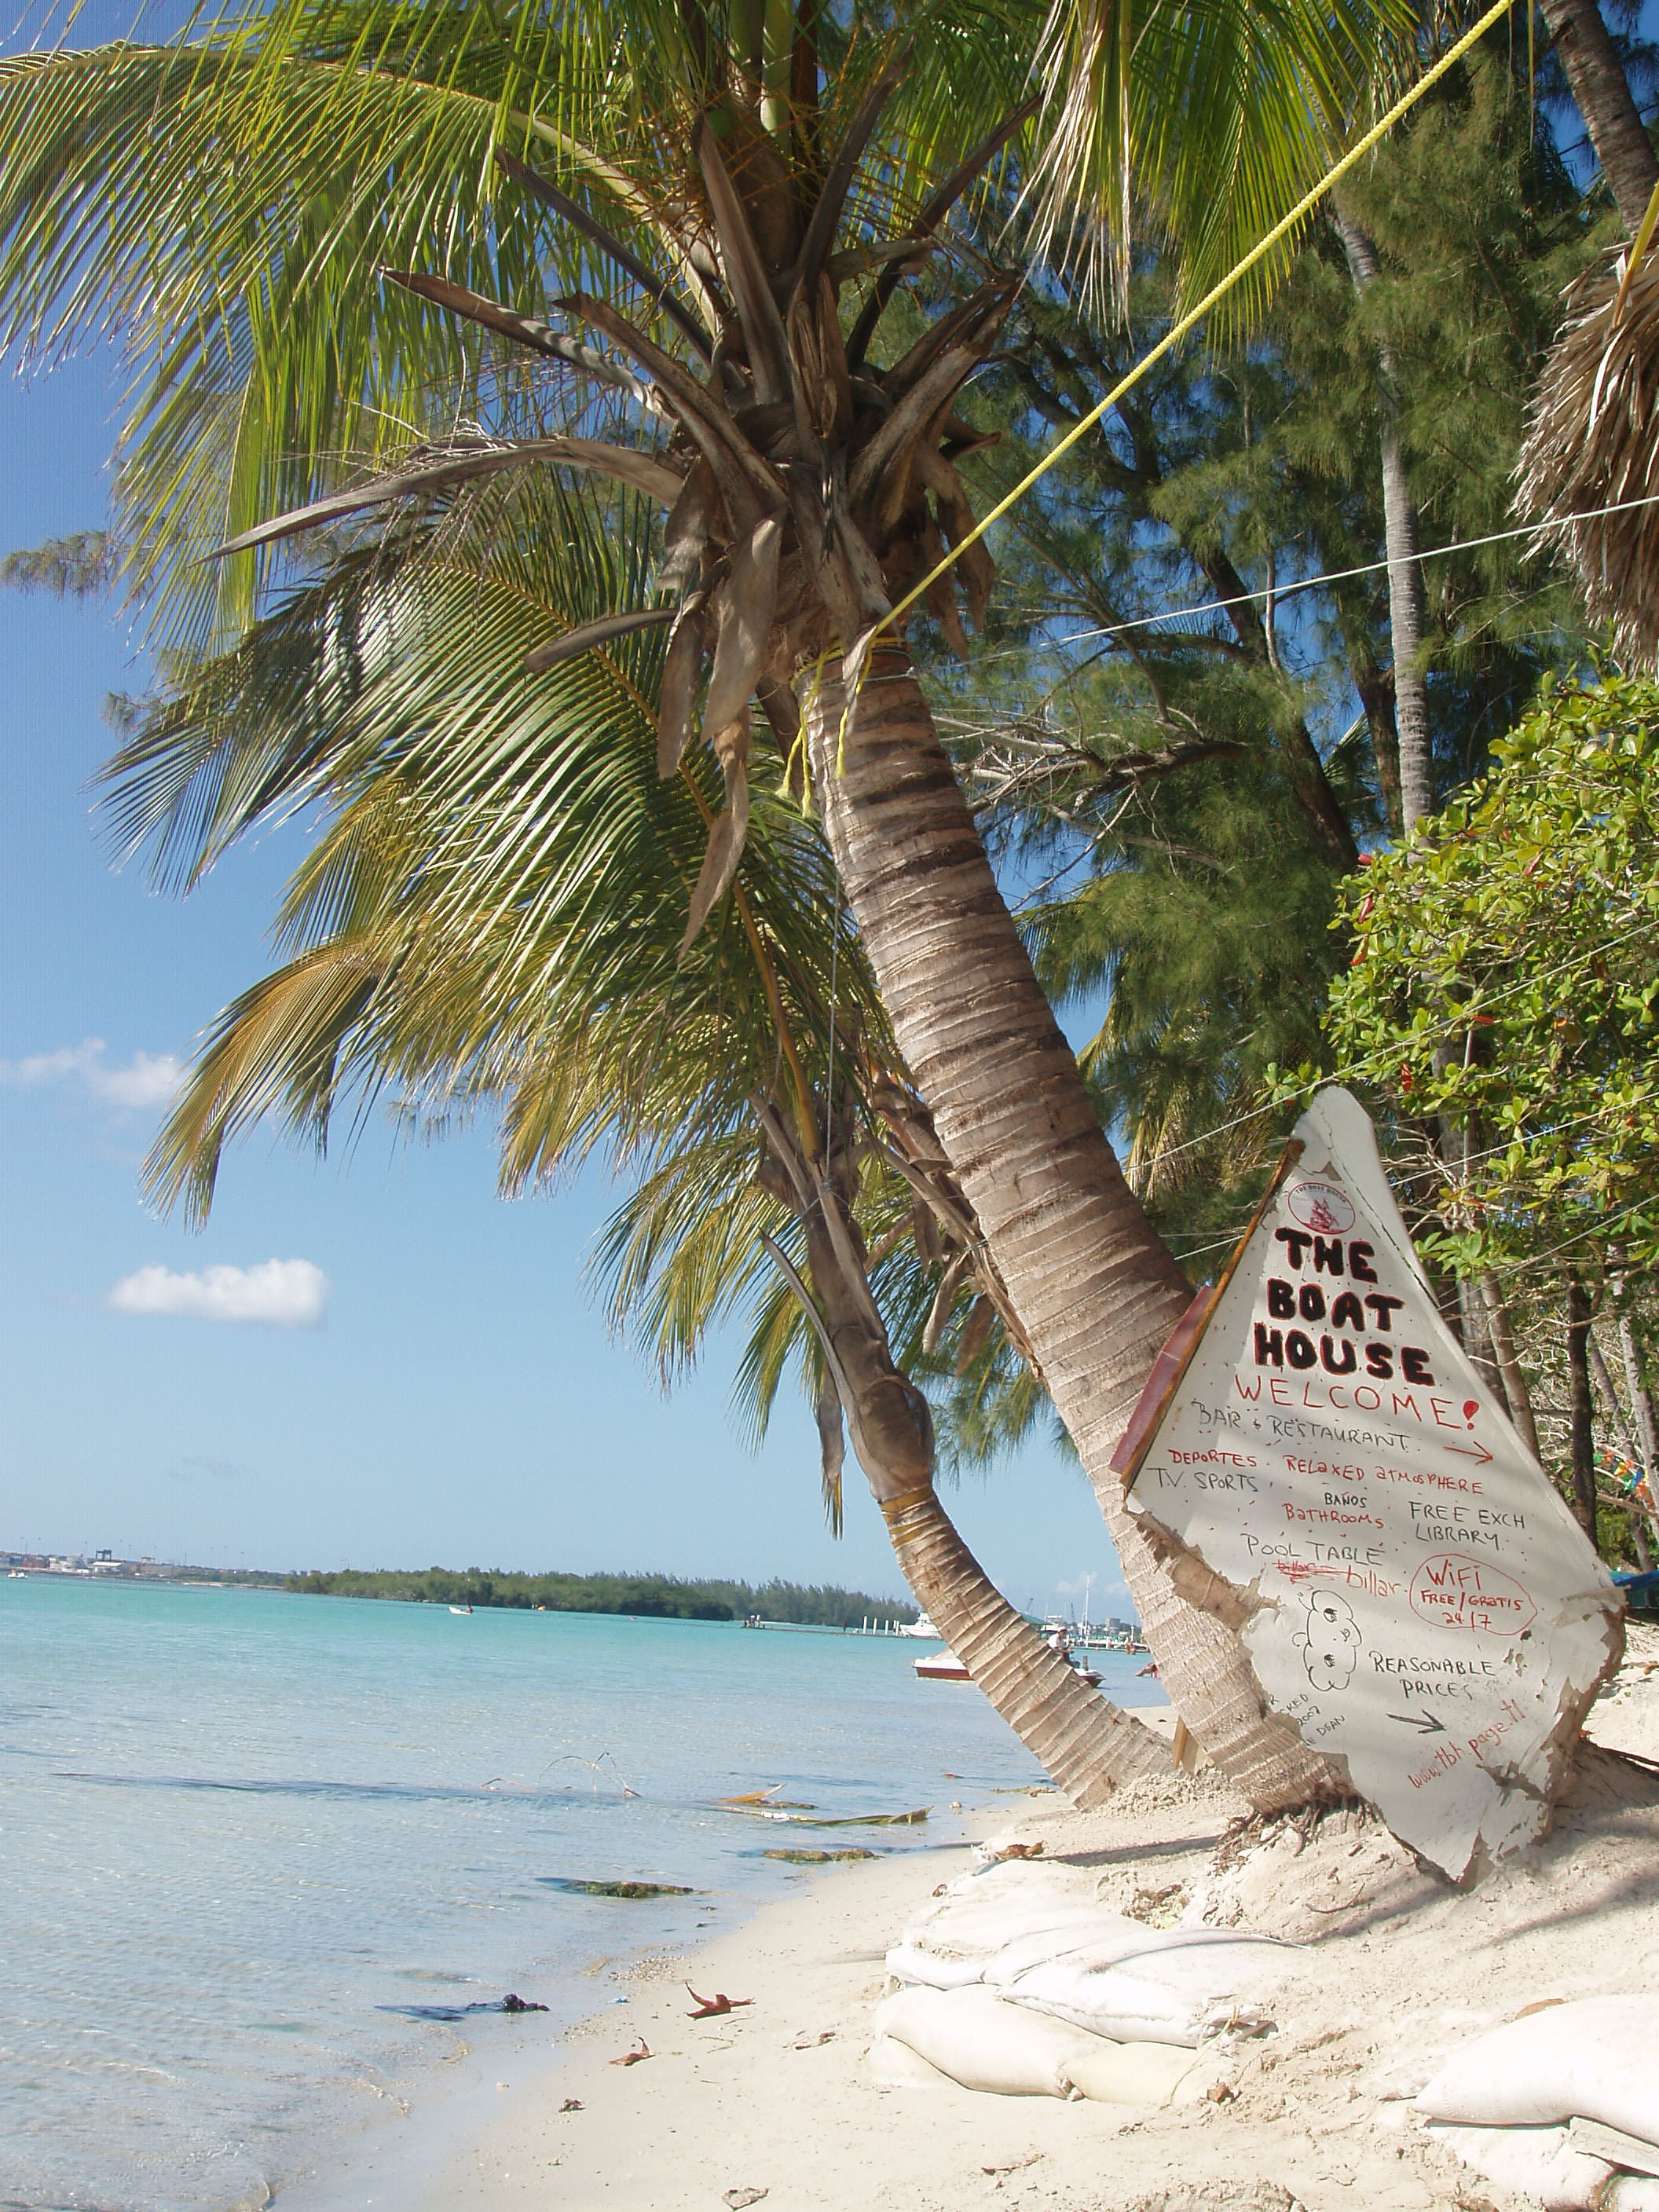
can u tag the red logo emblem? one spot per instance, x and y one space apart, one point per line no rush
1321 1208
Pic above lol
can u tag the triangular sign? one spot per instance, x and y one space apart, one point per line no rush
1420 1603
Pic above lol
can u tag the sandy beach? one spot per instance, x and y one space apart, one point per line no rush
779 2102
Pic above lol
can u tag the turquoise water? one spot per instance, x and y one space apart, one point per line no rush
247 1835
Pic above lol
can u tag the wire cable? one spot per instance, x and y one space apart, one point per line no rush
1279 592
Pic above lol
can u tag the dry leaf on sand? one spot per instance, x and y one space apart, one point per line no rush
708 2008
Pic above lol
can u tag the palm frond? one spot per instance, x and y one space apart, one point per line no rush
1215 120
1592 446
228 205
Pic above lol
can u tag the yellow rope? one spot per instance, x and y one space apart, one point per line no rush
918 1501
1178 331
1638 246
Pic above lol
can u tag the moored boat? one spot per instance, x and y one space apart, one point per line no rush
1057 1635
945 1667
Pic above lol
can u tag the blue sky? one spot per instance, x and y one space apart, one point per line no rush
459 1402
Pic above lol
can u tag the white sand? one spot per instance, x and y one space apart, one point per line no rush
779 2097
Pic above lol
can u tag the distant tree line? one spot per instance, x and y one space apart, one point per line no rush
662 1597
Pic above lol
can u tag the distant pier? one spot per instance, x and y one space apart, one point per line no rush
825 1628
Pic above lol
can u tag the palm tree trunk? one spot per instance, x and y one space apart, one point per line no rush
1096 1290
1087 1745
1377 696
1601 92
1407 618
1408 622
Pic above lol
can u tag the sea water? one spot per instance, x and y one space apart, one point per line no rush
256 1846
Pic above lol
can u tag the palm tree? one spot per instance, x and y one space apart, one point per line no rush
1589 448
707 189
751 1088
1601 94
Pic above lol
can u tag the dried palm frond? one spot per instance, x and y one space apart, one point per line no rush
1592 446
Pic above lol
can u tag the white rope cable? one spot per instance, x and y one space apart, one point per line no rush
1282 592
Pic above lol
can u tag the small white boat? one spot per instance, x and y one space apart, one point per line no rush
921 1626
460 1608
940 1666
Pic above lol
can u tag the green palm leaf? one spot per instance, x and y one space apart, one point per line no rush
226 205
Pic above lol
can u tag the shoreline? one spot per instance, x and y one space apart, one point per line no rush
364 1815
779 2097
805 1958
639 1593
461 2143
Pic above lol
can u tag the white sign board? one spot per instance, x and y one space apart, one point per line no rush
1425 1607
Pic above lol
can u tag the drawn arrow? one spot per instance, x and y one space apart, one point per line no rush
1479 1453
1425 1723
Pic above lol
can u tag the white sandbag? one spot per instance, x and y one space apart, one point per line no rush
1536 2162
1615 2146
1099 1932
945 1963
947 1946
915 1963
973 2039
1012 1885
1146 2075
1592 2059
1631 2192
1174 1985
896 2066
984 2044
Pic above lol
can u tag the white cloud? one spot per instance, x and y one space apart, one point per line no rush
288 1293
210 1464
148 1078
